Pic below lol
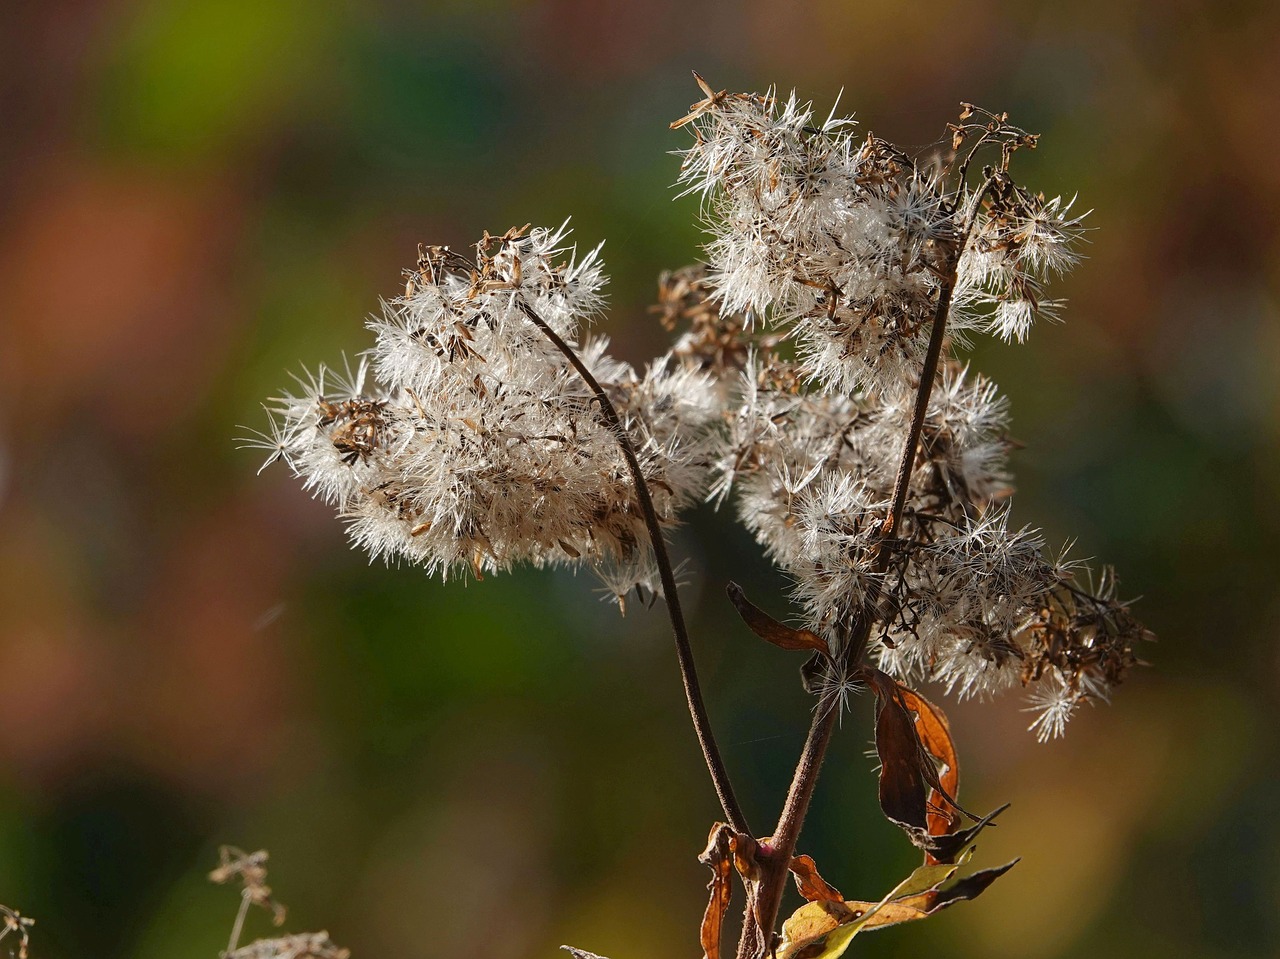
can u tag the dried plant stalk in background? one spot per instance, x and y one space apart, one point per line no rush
18 924
251 870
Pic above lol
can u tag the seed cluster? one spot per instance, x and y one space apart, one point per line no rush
466 441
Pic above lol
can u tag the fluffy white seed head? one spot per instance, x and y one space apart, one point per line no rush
474 445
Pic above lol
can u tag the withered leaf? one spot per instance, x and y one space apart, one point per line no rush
824 930
808 925
925 904
813 672
902 779
923 879
744 849
913 794
769 629
719 856
970 887
812 886
948 846
928 768
935 736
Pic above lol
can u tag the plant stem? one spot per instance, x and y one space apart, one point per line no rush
783 842
911 447
684 653
787 833
238 925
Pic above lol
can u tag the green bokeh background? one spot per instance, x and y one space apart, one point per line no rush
196 197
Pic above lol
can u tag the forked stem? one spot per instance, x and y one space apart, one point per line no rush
756 943
684 653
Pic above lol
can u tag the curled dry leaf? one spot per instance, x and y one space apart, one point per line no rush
919 771
970 887
812 886
824 929
944 842
769 629
719 856
813 673
947 847
744 856
934 733
805 931
902 776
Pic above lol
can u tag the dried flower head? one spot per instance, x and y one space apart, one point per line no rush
464 441
816 380
847 243
879 267
251 869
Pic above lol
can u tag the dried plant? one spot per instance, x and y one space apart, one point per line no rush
818 385
18 924
251 870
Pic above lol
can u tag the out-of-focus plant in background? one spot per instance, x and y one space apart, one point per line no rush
191 191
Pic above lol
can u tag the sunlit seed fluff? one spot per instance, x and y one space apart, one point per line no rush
1005 269
956 631
834 574
464 440
813 229
1054 703
478 446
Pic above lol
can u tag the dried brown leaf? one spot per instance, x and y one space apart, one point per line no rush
824 929
949 846
902 778
811 885
719 857
769 629
935 737
970 887
811 923
744 850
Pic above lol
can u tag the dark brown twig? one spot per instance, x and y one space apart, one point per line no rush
911 447
684 653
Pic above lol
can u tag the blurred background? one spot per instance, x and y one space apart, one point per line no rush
196 197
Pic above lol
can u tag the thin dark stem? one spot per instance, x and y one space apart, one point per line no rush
937 335
684 653
783 842
911 447
787 833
